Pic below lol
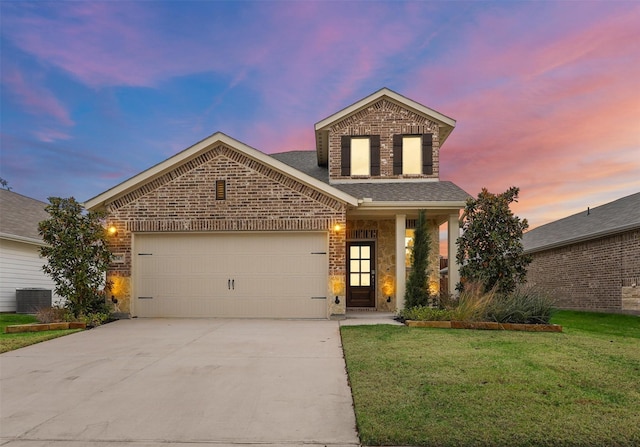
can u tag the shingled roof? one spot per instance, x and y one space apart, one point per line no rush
398 191
614 217
19 217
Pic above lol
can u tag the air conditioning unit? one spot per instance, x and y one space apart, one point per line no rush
28 301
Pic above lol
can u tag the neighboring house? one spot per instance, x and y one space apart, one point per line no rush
590 260
224 230
20 242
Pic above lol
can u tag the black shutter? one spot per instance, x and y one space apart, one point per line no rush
374 144
427 154
345 155
397 155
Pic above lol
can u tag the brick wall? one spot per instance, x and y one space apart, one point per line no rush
258 198
588 275
386 119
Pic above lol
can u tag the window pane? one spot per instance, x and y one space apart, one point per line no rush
354 279
354 252
360 156
355 266
365 252
412 155
408 240
365 266
365 279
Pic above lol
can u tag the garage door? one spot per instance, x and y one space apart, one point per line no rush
248 275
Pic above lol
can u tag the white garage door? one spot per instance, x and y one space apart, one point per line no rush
250 275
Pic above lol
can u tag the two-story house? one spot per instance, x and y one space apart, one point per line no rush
224 230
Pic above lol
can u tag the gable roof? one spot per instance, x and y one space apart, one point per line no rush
399 192
197 149
445 123
19 217
614 217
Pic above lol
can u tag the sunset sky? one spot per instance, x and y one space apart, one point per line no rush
546 94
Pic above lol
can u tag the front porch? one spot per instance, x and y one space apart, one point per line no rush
378 251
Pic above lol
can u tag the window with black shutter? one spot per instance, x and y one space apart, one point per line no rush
413 154
360 155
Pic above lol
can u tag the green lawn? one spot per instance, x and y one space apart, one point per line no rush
10 342
445 387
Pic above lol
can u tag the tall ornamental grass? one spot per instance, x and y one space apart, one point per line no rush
526 304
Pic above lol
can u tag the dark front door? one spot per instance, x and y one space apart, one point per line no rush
361 274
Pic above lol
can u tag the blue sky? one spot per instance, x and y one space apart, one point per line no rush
546 94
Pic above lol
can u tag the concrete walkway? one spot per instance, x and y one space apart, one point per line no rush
359 318
168 382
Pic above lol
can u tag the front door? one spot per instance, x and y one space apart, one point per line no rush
361 274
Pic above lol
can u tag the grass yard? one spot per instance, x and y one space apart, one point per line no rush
10 342
446 387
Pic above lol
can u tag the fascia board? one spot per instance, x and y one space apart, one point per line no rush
197 149
402 100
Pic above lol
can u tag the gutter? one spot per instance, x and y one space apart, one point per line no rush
24 239
369 204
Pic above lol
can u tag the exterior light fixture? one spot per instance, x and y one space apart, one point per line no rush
337 227
112 230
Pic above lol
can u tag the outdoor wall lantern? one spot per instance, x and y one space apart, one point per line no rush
112 230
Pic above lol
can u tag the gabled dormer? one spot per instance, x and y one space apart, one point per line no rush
384 136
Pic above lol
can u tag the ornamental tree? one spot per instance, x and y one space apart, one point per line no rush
490 249
417 288
77 253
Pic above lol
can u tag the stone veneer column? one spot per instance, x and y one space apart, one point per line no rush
454 267
401 269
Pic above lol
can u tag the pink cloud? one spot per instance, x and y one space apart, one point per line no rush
553 118
51 135
33 96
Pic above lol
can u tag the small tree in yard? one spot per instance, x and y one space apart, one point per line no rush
490 249
417 288
77 254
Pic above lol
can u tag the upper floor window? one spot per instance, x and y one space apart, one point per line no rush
360 155
413 154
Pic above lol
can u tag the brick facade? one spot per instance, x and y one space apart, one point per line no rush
384 118
590 275
258 198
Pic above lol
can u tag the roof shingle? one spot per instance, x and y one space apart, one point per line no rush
20 215
611 218
399 191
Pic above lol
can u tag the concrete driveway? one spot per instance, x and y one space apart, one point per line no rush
179 382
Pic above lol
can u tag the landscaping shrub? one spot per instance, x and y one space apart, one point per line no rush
472 304
425 313
417 289
97 311
53 314
526 304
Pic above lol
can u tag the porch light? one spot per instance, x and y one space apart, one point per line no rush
337 227
112 230
388 289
